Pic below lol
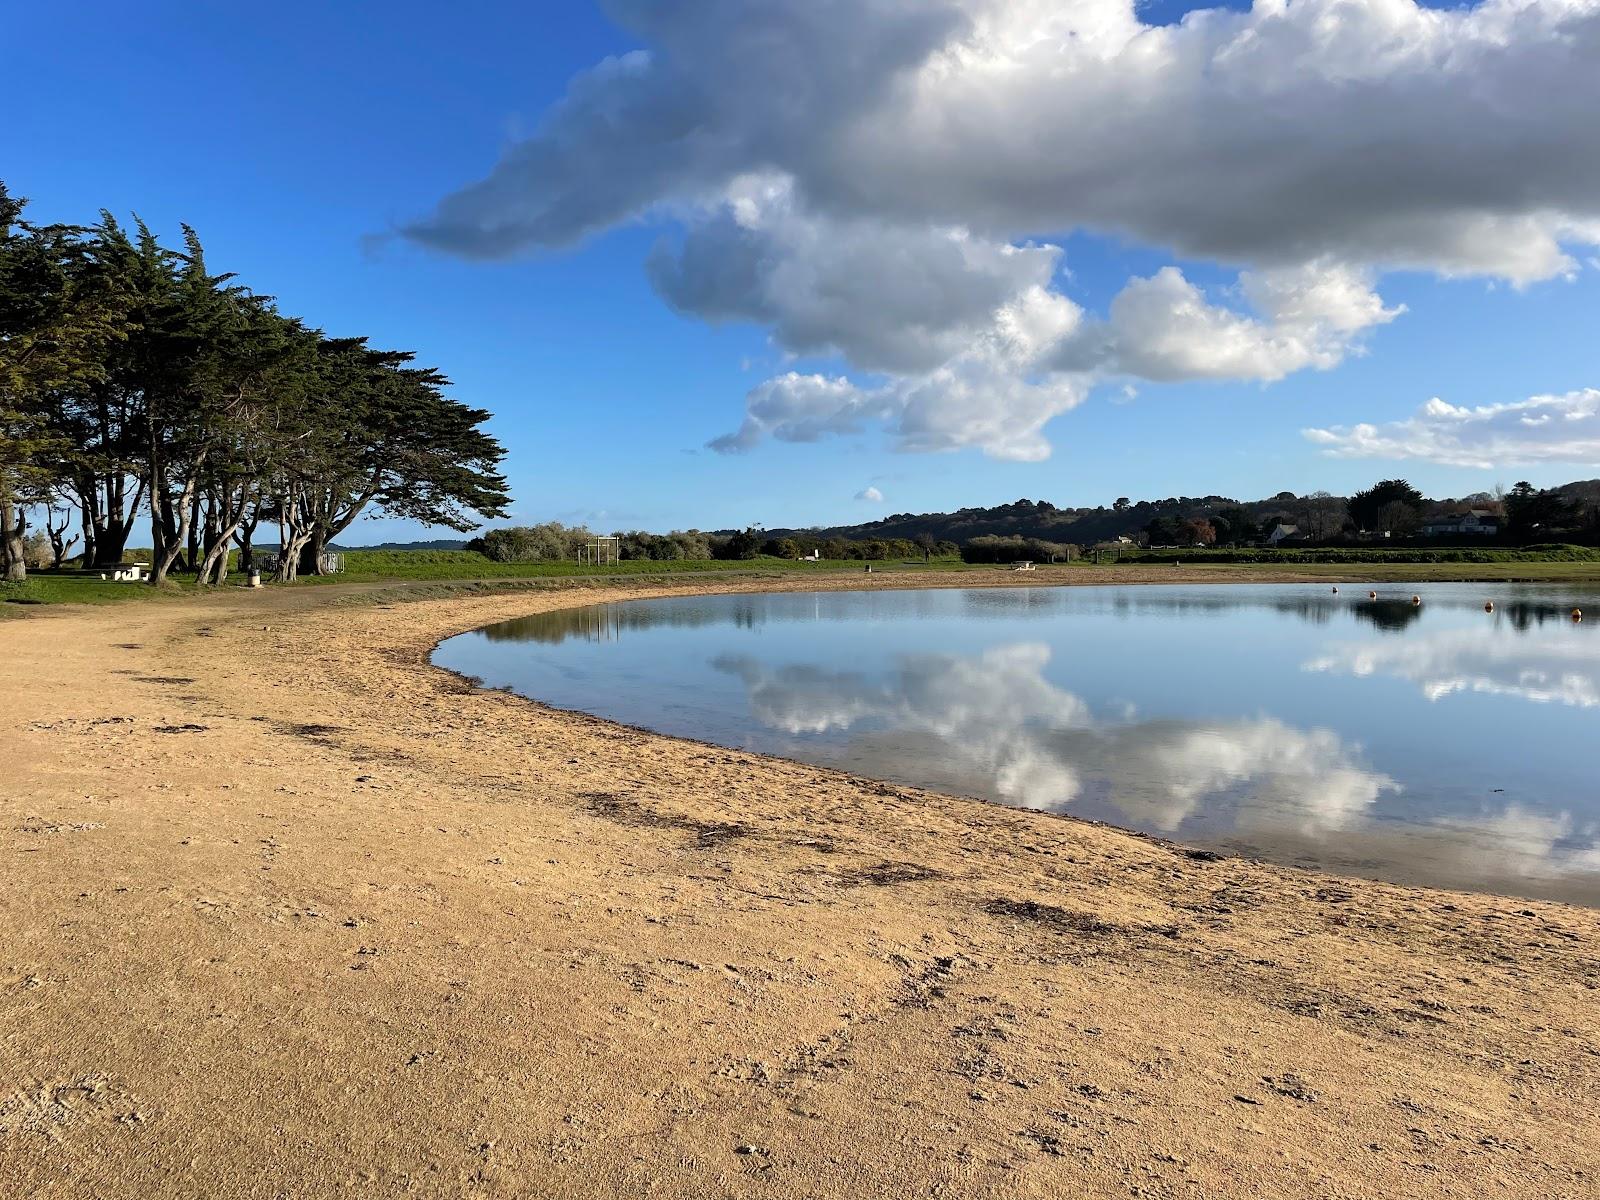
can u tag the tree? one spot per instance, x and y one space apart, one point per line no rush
1164 531
376 434
1389 506
1234 525
57 520
1532 513
131 376
927 544
1197 531
1323 515
1121 504
53 336
744 544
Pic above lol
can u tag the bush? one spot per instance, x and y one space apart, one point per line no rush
550 542
992 548
742 545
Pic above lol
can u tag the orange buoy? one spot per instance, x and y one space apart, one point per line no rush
1577 614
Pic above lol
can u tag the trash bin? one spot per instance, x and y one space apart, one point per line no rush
255 577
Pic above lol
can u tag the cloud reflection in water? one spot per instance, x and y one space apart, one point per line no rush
993 725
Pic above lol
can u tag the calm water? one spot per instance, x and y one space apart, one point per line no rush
1438 744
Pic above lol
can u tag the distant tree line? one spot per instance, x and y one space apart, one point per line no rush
555 542
1395 511
992 549
135 380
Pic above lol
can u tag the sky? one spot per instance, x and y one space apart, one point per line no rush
811 262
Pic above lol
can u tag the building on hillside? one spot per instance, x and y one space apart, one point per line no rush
1476 523
1284 533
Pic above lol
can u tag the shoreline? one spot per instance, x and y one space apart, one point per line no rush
495 948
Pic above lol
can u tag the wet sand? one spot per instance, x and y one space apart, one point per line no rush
285 911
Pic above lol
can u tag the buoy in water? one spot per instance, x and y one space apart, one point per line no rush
1372 595
1335 591
1488 606
1417 600
1577 614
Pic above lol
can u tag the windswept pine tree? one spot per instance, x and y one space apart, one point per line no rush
133 377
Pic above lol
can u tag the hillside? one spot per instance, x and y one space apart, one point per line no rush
1085 526
1042 519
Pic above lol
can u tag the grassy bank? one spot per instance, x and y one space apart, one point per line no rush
444 567
376 565
422 566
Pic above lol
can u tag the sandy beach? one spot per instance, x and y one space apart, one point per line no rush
287 912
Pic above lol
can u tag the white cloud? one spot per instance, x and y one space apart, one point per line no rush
888 297
1163 328
1374 130
870 494
868 178
1038 357
802 408
1562 429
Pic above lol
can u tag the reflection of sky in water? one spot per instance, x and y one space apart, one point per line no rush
1438 744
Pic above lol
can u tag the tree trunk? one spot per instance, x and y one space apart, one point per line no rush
311 556
60 546
13 554
245 536
114 522
191 561
89 544
173 540
289 556
214 568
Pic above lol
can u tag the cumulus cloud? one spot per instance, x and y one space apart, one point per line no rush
996 394
870 178
1563 428
802 408
1163 328
870 494
1378 130
888 297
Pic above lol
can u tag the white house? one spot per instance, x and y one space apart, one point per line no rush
1282 532
1475 523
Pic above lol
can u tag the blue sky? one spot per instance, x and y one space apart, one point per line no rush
290 136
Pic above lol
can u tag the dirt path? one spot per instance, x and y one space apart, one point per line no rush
285 912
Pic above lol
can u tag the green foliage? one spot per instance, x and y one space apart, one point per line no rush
1388 506
1373 555
745 544
1531 512
131 373
550 542
990 549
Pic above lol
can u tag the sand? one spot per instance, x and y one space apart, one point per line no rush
287 912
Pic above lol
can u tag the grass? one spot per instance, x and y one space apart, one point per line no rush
399 566
365 566
73 587
1545 564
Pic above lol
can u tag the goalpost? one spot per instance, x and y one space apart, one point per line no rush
603 550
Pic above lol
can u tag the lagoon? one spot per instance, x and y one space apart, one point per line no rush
1436 743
